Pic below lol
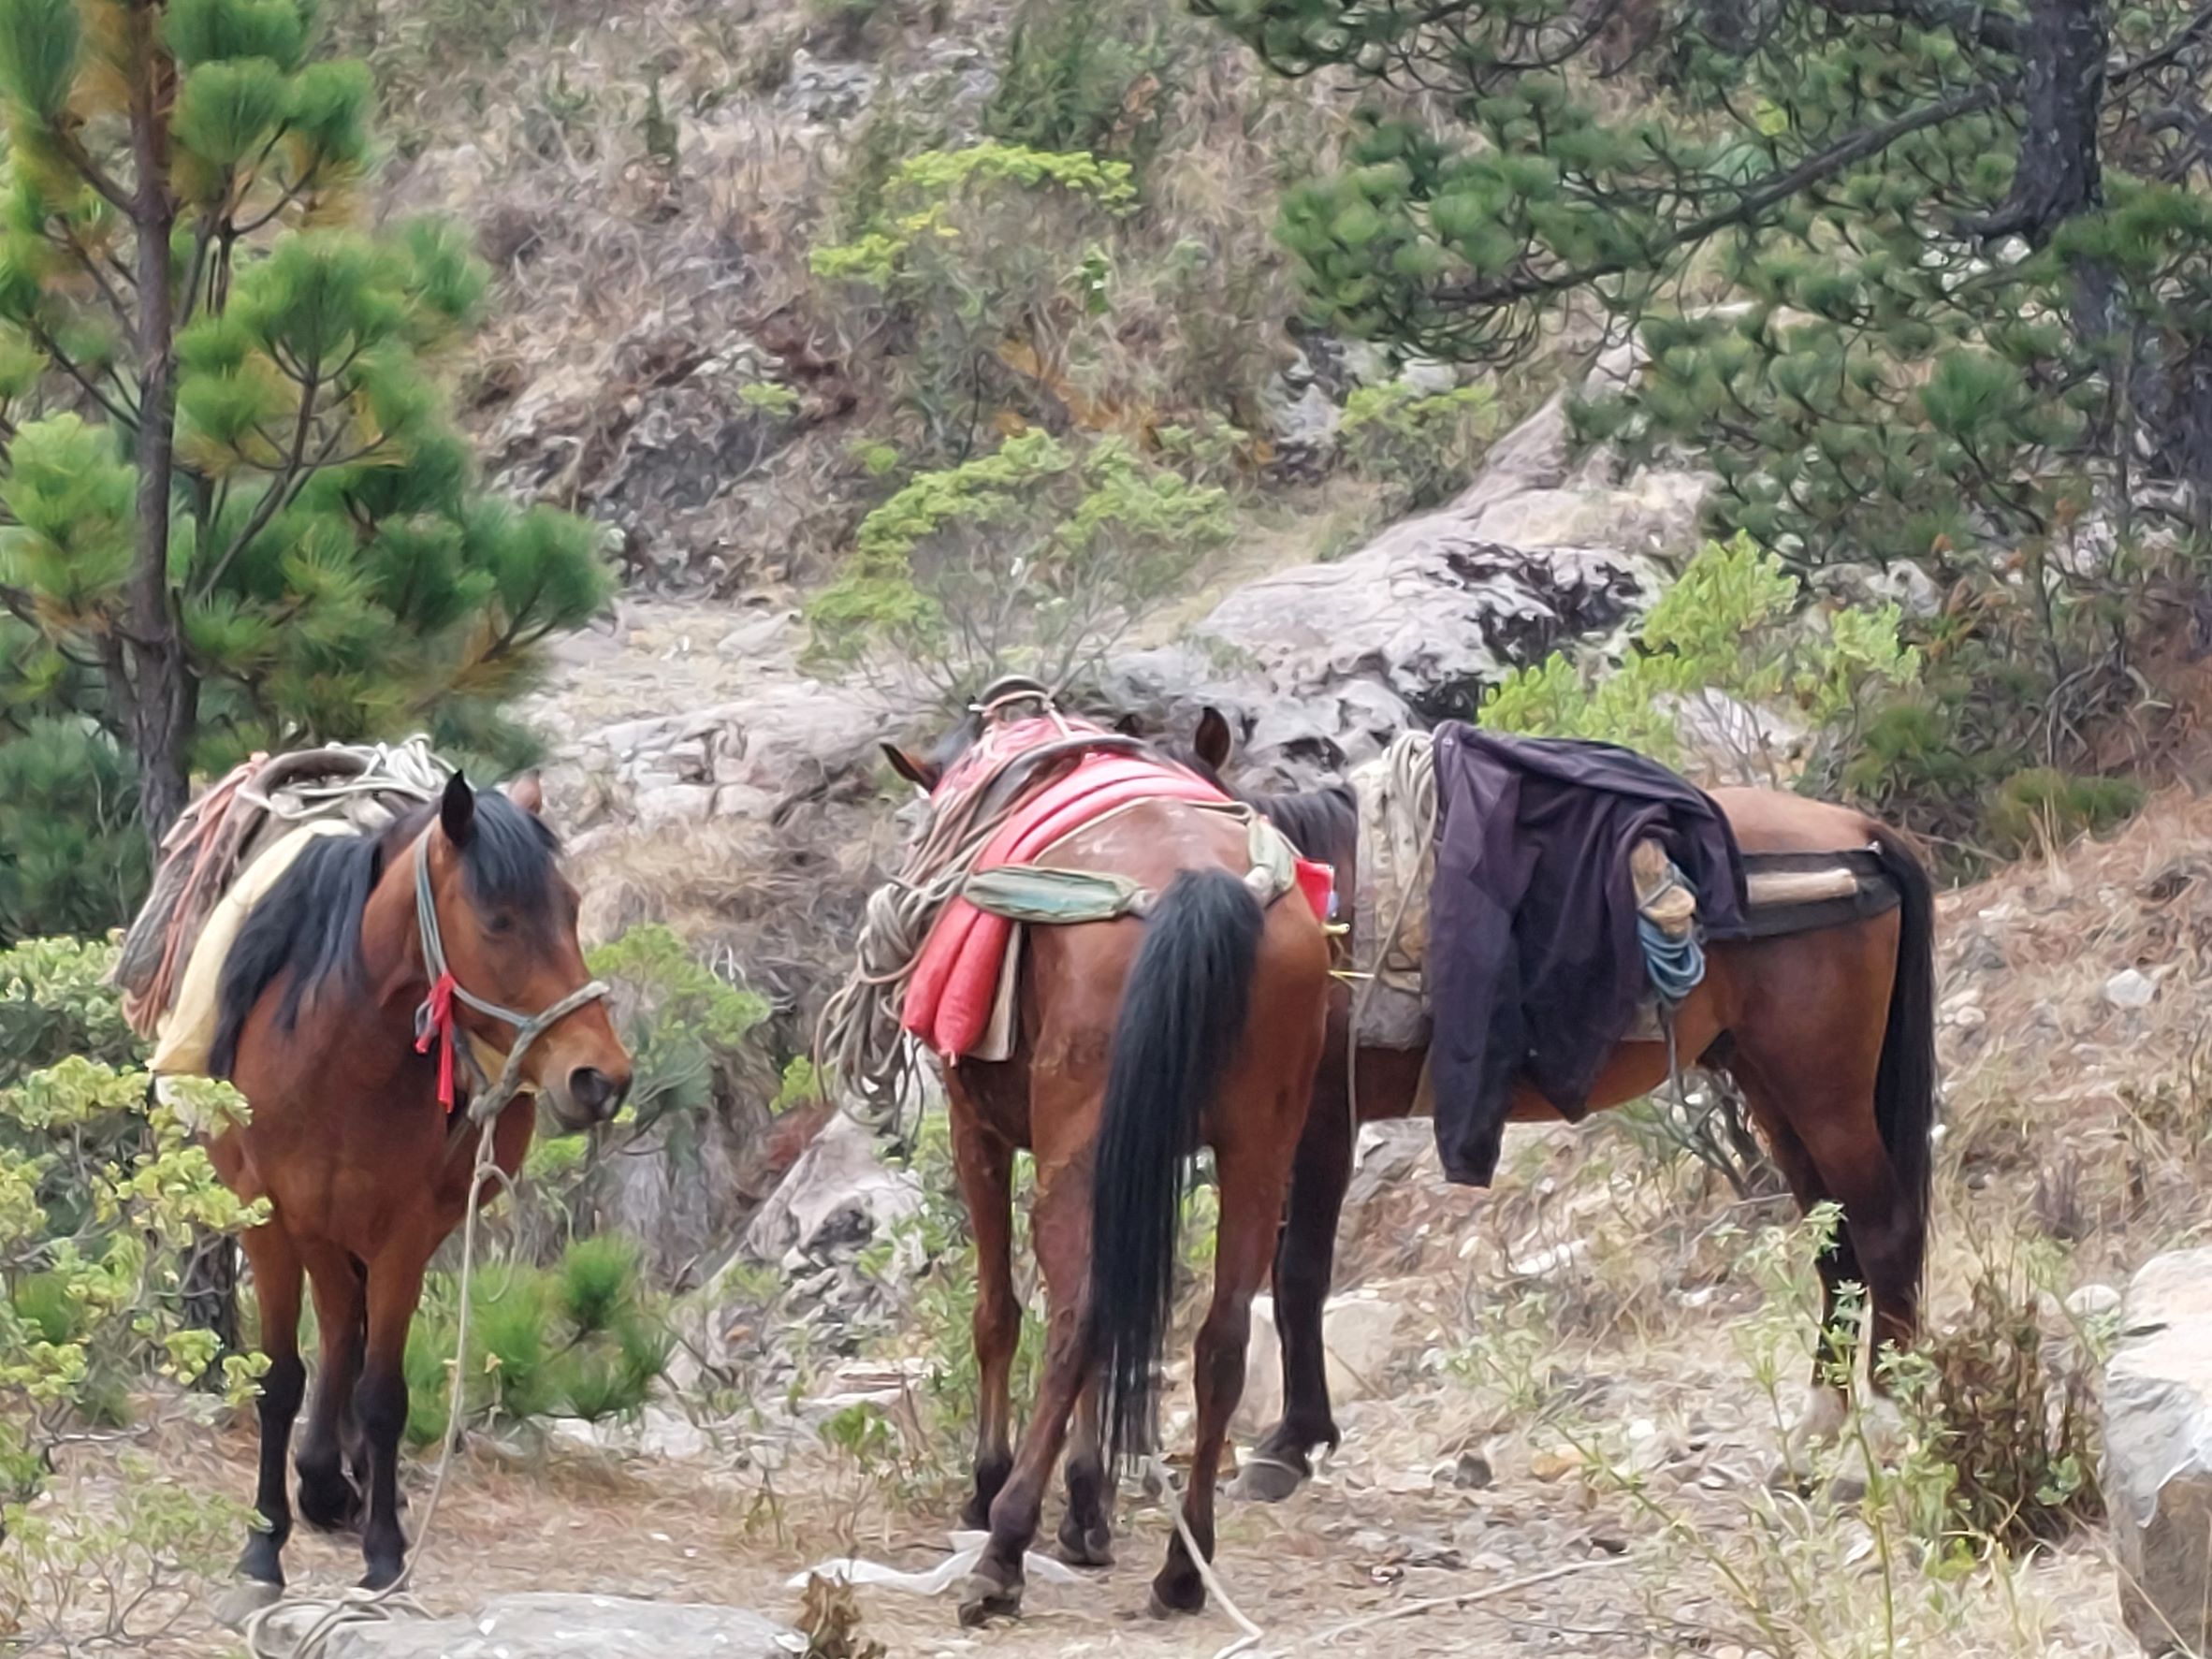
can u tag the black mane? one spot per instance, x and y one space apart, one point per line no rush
307 928
1321 824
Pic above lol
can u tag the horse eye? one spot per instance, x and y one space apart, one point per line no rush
500 922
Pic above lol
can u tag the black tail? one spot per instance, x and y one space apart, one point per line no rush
1182 1018
1905 1086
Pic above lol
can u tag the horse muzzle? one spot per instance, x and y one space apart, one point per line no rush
588 1095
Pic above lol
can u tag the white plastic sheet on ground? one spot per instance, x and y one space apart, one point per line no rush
967 1548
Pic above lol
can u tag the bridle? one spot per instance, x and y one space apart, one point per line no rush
434 1020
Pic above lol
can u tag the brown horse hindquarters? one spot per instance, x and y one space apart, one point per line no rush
1091 997
1830 1035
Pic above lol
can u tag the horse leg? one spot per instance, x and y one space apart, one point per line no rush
1061 1225
328 1500
1821 1124
1305 1260
1252 1185
395 1285
1086 1530
277 1276
985 1164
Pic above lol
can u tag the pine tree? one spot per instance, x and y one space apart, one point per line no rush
234 512
1970 243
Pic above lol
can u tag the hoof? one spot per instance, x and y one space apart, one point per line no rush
1266 1479
243 1599
381 1576
1081 1548
983 1598
1176 1598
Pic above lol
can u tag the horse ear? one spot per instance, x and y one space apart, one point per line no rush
456 810
528 792
920 774
1214 740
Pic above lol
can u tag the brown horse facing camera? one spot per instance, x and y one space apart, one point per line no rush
1829 1033
347 1139
1139 1042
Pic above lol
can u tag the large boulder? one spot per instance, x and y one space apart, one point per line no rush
1431 609
839 1195
546 1625
1544 550
2158 1452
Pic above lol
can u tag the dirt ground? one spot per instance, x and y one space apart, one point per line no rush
1360 1562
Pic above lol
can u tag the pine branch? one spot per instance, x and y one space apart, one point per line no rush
120 413
278 493
2198 26
1838 157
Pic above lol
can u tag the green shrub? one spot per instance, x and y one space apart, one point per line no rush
1035 558
1099 78
2043 807
102 1188
973 276
1731 625
1425 445
583 1339
678 1017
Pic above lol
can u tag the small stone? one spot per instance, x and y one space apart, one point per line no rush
2090 1301
1471 1471
1555 1464
2131 988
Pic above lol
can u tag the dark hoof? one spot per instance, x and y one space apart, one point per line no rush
331 1505
983 1598
1266 1479
1176 1596
1082 1547
382 1575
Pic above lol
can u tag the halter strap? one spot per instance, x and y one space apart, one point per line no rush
434 1020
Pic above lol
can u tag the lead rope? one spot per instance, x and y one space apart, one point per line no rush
1253 1635
433 1022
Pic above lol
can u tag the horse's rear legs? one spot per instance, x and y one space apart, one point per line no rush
1305 1261
985 1165
327 1499
1823 1134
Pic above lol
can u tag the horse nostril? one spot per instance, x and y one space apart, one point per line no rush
595 1091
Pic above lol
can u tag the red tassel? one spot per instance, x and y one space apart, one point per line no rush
437 1023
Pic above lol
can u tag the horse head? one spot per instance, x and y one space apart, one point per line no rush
992 703
503 917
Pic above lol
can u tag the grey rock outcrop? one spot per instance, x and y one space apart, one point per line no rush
2158 1452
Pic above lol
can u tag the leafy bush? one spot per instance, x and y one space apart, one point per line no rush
1098 78
582 1340
2017 1433
973 271
677 1016
1424 443
102 1185
1036 557
2043 807
1728 637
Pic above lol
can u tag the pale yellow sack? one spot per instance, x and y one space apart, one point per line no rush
187 1031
